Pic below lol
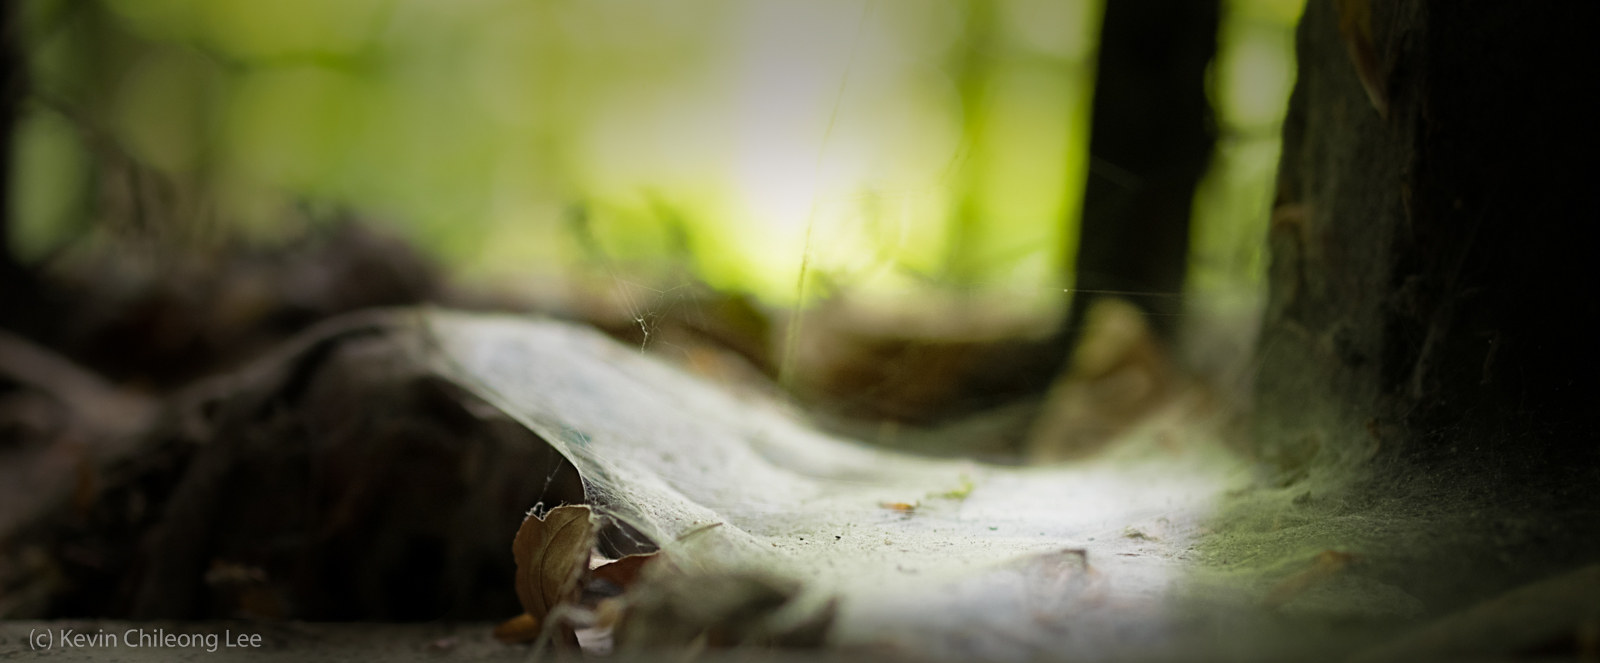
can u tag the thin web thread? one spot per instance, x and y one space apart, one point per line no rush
791 337
647 316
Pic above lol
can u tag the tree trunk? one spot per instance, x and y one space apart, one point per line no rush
1149 146
12 89
1432 246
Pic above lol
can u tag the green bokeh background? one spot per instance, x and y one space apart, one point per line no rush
929 146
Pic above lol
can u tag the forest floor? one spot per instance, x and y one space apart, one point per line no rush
225 440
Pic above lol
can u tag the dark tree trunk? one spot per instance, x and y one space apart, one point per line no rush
12 88
1150 144
1432 275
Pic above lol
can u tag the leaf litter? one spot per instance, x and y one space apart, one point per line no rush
552 554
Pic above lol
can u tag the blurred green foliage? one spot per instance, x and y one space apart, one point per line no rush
1250 84
927 145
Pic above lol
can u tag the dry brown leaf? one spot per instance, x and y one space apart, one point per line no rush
517 630
904 507
552 556
623 572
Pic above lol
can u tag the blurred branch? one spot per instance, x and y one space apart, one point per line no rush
102 408
972 71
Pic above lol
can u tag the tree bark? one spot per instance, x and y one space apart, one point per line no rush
1432 245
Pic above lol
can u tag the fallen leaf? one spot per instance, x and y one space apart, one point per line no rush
246 589
905 507
623 572
552 556
517 630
